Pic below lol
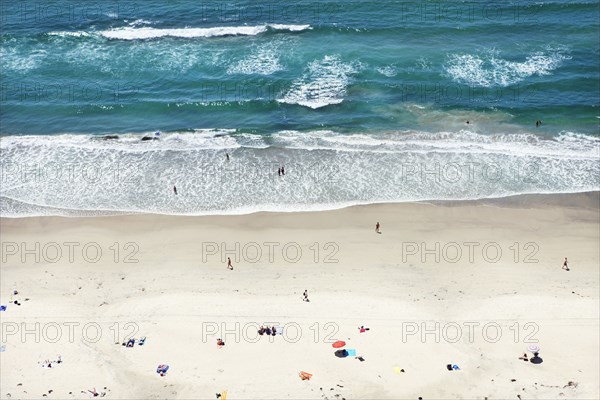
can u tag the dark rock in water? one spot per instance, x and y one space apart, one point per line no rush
110 137
149 138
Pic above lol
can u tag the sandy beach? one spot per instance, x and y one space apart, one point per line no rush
471 284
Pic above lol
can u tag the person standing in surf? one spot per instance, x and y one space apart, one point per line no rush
174 189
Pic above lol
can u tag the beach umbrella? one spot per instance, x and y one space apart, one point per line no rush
339 344
534 348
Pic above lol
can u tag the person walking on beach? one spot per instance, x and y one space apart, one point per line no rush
377 226
227 156
305 294
229 265
566 265
279 171
282 170
174 189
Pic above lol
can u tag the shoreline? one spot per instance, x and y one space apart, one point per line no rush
585 199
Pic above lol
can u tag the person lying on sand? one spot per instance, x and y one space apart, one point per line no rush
220 343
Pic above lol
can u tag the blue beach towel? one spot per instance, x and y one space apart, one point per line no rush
351 352
2 308
163 368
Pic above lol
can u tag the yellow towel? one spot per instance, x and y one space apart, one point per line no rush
224 395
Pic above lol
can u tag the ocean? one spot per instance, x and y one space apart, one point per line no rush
361 102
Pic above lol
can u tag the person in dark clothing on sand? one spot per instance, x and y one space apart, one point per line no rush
566 265
229 265
305 296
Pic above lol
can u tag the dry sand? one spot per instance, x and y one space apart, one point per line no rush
181 296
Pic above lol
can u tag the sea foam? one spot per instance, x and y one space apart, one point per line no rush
137 33
489 69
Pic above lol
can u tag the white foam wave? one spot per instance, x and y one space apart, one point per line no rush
291 28
388 70
262 61
489 69
13 60
567 145
70 34
200 139
324 83
139 22
80 175
135 33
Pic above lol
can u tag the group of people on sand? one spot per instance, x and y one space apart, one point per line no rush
267 331
48 363
131 342
94 393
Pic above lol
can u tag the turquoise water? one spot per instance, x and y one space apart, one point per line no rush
369 91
